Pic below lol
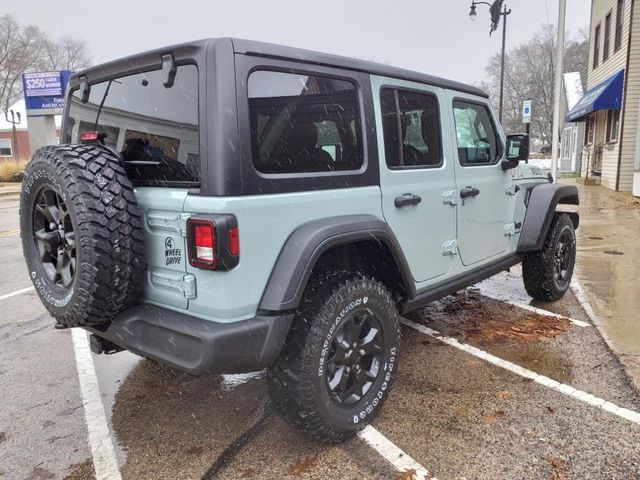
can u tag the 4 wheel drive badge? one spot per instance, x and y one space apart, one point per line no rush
172 255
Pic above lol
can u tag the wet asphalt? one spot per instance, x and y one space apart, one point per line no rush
457 415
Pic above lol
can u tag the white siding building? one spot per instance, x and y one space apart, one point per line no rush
611 151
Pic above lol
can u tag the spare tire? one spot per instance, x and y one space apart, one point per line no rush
81 234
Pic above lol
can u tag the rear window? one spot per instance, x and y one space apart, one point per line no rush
303 123
153 127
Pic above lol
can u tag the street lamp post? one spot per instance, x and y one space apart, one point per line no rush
497 10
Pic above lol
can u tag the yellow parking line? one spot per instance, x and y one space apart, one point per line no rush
8 233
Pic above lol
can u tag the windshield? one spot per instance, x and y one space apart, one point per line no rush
153 127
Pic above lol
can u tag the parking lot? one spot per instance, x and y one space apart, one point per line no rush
487 389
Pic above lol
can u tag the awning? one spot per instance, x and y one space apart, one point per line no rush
605 96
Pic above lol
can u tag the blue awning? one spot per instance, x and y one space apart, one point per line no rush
605 96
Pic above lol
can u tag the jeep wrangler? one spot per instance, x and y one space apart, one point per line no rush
228 206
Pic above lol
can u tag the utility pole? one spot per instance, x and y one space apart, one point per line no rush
557 97
14 150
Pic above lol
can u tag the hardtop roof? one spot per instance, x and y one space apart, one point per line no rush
270 50
263 49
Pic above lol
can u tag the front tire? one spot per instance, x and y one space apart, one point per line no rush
547 273
340 358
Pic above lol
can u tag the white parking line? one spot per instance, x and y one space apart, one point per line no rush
17 292
523 372
533 309
103 452
393 454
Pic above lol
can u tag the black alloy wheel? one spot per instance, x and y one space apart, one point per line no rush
355 357
564 255
54 237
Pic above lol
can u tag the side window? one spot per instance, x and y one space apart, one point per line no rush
411 129
478 141
303 123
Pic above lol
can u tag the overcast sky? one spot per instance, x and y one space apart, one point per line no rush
432 36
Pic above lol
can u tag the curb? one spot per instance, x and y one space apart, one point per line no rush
581 296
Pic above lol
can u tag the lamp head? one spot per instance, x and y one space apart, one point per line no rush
473 14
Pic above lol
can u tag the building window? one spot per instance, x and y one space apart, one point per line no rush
596 47
613 123
619 15
607 37
5 147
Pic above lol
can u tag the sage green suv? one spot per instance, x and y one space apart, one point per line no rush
228 206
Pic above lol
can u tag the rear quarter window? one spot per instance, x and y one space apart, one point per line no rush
154 128
303 123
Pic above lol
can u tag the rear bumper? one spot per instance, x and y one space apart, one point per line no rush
195 345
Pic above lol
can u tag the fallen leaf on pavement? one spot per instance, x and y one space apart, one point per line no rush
195 451
247 473
410 474
503 395
303 466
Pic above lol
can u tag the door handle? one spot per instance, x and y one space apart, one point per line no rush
407 199
469 192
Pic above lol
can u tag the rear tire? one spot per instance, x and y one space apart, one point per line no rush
81 234
547 273
340 359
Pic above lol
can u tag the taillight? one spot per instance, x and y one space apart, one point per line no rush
93 137
201 235
234 242
88 136
213 241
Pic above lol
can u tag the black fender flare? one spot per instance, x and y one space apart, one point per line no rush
308 242
541 207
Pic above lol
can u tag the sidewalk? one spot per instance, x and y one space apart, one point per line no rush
608 268
10 189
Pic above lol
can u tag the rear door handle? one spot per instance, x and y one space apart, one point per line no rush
407 199
469 192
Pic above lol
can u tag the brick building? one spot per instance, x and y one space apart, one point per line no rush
18 148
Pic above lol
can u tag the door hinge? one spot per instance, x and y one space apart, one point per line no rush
178 281
450 197
183 224
512 189
168 222
189 285
450 247
510 229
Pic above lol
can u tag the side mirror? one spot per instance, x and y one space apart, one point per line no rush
517 149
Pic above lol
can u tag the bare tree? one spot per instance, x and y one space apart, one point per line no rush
27 48
66 53
529 74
